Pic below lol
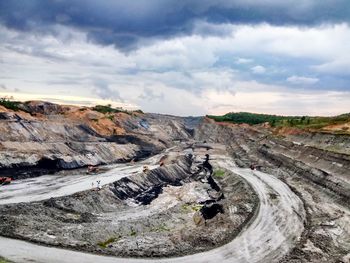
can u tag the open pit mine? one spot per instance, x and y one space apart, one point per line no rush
83 185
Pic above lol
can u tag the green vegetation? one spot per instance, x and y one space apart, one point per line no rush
193 207
246 117
108 109
219 173
3 260
104 244
10 104
161 228
111 117
282 121
132 232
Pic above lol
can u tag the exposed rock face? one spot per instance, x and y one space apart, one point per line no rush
329 142
147 186
43 107
42 144
48 137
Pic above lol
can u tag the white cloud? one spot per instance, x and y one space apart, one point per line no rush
322 44
339 66
300 80
258 69
66 99
181 71
244 61
284 103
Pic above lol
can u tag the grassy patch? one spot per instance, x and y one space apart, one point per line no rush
219 173
105 243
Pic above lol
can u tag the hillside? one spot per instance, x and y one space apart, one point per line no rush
40 137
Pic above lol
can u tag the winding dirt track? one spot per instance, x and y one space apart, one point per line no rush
272 233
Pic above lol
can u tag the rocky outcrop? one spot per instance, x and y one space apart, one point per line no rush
147 186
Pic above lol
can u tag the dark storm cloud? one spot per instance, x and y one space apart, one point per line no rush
124 22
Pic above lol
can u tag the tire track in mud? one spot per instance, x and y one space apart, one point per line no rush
270 235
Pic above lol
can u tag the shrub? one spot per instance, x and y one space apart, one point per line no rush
132 232
10 104
111 117
104 244
219 173
104 109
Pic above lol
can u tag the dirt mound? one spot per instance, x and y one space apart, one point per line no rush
103 124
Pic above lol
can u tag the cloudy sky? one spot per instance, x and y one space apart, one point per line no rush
190 57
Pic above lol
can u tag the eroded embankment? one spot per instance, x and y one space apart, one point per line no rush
145 215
